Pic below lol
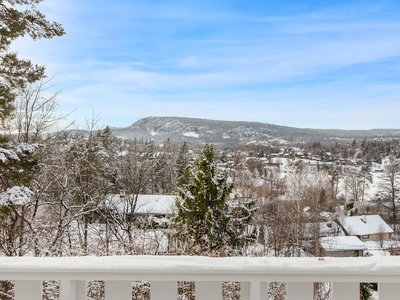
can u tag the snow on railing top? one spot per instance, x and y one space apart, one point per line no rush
200 265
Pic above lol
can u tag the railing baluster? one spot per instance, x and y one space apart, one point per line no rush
346 290
299 290
254 290
118 290
208 290
163 290
245 290
389 291
264 290
65 290
73 290
28 290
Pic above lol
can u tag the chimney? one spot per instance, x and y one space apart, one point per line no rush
364 218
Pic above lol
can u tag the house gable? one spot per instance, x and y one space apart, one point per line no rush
356 226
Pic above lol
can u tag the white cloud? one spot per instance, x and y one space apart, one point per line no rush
189 62
170 59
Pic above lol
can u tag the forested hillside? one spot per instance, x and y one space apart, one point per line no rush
231 133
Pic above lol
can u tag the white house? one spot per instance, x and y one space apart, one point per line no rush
342 246
366 228
157 205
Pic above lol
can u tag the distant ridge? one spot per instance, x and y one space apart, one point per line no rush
229 133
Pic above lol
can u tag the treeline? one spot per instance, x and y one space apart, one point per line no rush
366 149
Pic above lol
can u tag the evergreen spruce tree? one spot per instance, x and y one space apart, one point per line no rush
18 18
166 167
18 162
15 73
106 146
182 164
366 290
206 221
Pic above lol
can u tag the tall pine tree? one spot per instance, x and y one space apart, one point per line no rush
18 162
182 164
19 18
206 221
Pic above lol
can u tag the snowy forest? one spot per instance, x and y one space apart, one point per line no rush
56 190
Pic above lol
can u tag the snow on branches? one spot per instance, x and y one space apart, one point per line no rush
17 195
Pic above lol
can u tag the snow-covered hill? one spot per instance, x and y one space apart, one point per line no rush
200 131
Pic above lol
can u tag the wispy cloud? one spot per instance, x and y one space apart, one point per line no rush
300 65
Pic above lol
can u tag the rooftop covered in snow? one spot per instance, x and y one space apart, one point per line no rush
146 204
373 224
342 243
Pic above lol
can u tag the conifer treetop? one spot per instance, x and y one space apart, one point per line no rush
17 19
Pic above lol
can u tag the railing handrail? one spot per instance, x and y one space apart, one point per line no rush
384 269
253 273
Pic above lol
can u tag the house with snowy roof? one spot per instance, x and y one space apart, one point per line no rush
140 205
366 227
342 246
324 229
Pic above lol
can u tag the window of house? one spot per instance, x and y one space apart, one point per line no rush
365 236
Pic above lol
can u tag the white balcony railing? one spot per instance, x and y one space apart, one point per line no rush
208 273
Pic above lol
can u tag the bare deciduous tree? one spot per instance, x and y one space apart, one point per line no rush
36 112
389 186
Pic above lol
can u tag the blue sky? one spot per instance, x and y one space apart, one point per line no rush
318 64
